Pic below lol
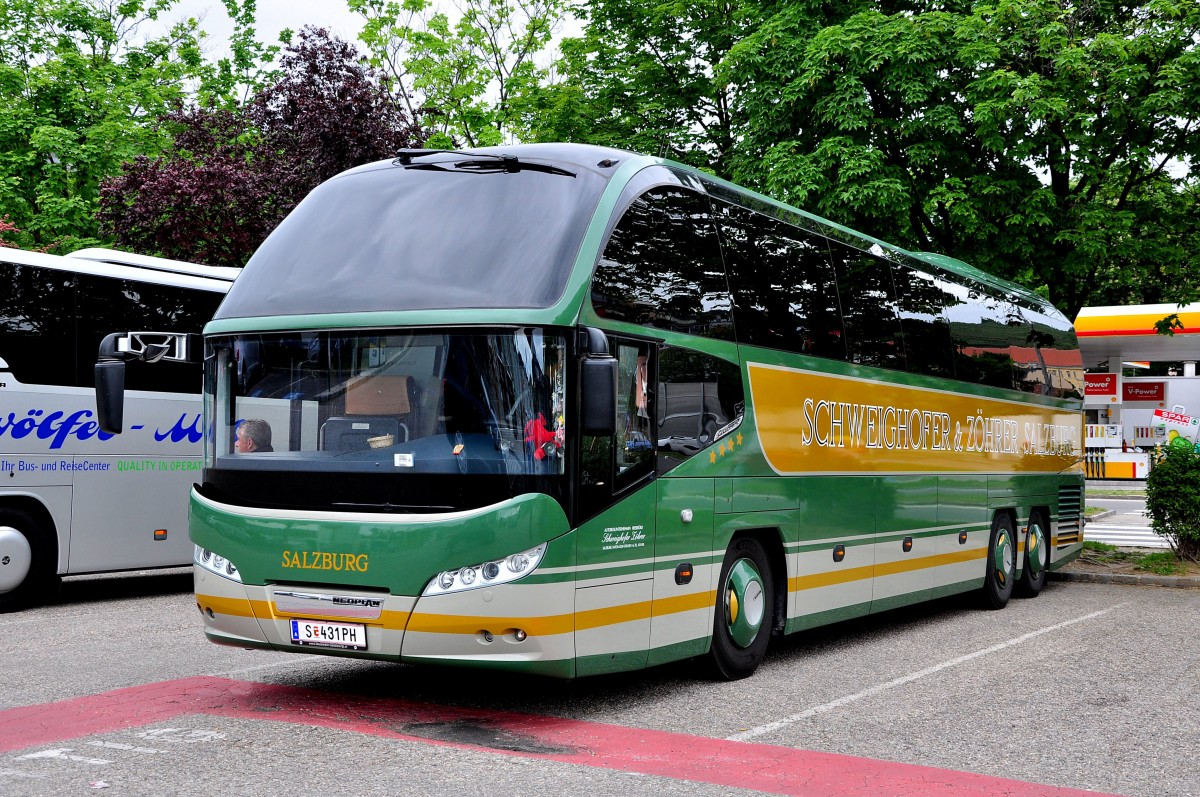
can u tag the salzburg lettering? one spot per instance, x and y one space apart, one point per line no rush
323 560
842 424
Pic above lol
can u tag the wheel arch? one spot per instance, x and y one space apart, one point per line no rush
41 515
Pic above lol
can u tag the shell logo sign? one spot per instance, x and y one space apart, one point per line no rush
811 422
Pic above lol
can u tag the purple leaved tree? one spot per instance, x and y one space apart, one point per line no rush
230 176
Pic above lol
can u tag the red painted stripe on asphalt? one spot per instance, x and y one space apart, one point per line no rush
746 765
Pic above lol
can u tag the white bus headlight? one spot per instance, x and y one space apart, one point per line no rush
486 574
213 563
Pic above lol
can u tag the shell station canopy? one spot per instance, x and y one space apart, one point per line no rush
1127 334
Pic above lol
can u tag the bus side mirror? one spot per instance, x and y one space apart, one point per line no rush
110 395
118 348
598 396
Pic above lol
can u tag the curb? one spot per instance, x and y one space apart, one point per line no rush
1177 582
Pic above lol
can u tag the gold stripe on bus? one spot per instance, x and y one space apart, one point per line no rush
684 603
470 624
233 607
812 422
834 577
564 623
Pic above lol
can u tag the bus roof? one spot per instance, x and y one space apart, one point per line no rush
156 263
424 234
162 272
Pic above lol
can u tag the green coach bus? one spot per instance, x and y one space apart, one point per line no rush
571 410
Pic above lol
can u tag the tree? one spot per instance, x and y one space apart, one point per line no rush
1051 143
644 77
230 176
465 79
326 113
80 92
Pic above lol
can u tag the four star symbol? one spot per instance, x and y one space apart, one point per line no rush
727 446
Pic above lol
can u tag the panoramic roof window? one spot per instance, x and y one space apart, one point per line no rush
427 235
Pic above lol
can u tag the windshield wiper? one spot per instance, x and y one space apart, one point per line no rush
509 163
482 163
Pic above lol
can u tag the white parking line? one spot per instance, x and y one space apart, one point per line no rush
747 735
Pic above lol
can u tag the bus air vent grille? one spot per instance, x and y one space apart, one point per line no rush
1070 515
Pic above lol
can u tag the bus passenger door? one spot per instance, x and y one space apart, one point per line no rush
615 545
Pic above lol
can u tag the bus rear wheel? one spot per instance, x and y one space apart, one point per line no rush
26 565
1037 557
1001 563
744 610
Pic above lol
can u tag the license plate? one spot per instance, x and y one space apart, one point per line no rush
319 633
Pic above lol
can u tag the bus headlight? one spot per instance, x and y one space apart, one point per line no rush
214 563
486 574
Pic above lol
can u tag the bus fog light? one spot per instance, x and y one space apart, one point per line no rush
487 574
519 635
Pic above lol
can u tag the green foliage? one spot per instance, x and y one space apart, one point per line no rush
1168 325
1165 563
644 77
1173 500
80 92
466 79
1092 545
1051 143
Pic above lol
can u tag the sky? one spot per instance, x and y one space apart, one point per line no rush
273 17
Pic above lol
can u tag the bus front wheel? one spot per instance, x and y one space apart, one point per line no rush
26 565
1001 563
1037 556
744 610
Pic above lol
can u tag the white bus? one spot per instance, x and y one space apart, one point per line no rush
73 499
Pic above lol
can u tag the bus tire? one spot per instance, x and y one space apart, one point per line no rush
1037 557
27 573
744 610
1001 563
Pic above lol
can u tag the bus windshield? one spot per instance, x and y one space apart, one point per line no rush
388 238
386 404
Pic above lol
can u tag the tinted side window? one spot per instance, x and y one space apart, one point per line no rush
868 300
37 325
921 300
699 396
783 284
984 330
662 267
111 305
1050 362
